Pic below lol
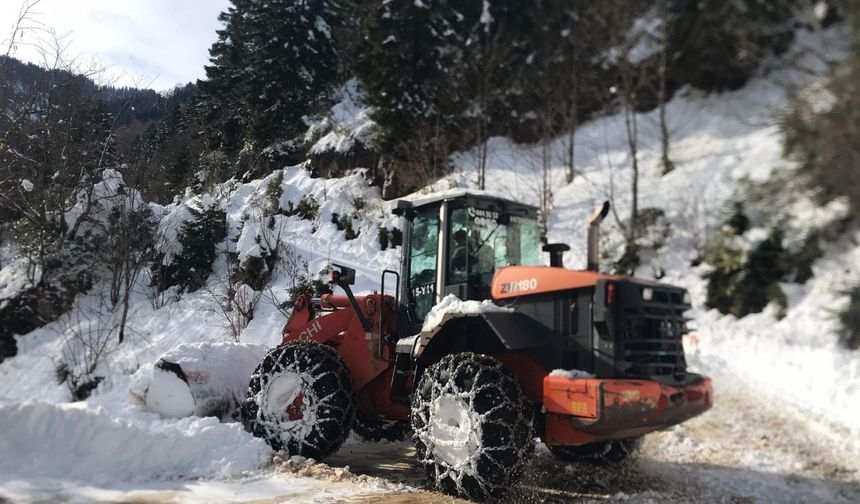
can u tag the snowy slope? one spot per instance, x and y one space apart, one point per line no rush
110 438
718 141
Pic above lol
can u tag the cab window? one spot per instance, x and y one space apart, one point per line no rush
483 241
422 263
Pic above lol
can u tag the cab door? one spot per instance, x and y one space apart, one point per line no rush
423 263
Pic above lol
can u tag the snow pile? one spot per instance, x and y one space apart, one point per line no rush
217 377
42 440
169 395
796 360
571 373
451 307
348 125
14 278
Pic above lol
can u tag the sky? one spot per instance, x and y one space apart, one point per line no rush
156 44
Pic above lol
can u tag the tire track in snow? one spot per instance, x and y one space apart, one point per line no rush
741 451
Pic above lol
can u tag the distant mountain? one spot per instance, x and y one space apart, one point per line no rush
125 104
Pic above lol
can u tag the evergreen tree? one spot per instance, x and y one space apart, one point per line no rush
223 107
411 59
718 45
274 63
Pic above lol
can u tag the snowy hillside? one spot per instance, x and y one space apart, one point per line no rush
718 141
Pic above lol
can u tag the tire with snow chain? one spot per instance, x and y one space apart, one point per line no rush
379 429
300 400
602 453
472 426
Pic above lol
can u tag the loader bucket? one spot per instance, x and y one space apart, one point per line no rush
202 379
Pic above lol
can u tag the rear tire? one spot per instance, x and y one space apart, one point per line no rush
472 426
610 452
300 400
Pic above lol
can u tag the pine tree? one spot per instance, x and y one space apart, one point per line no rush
222 105
274 63
411 59
718 45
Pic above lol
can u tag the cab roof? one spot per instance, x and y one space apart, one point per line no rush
459 194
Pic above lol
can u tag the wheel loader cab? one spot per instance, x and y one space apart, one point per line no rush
455 242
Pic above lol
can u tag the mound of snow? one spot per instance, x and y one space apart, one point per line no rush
452 306
169 395
217 377
72 442
571 373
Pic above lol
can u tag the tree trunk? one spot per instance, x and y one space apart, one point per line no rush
573 120
632 143
571 138
664 129
482 163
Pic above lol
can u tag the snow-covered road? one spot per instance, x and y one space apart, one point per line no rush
742 451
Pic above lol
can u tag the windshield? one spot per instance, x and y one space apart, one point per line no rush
485 240
422 263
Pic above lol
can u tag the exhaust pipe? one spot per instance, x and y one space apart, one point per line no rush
594 235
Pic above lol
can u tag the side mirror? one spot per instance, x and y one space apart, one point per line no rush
342 275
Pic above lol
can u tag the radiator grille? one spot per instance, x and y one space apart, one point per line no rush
651 338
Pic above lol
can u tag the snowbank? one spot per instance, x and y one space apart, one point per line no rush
72 442
110 438
797 361
217 377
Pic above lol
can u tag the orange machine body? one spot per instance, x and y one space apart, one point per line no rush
517 281
581 410
369 359
577 410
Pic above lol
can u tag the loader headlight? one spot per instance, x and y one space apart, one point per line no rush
647 294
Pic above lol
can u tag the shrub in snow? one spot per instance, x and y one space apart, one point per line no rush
392 237
758 248
395 237
88 336
741 286
274 192
59 266
129 241
820 132
344 223
198 237
849 317
308 208
255 271
652 230
382 236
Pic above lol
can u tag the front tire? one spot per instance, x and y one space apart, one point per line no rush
300 400
472 426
